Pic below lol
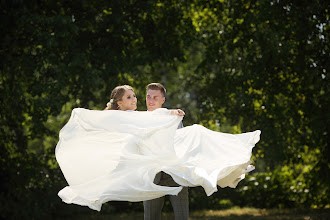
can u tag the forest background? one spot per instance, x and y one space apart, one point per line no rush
233 66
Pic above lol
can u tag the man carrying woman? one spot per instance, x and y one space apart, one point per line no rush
125 155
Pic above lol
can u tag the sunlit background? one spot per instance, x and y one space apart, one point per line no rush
232 66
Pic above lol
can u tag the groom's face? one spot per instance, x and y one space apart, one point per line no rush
154 99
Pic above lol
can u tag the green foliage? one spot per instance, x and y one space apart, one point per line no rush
233 66
265 67
285 187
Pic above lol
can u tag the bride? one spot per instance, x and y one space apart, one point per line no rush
115 154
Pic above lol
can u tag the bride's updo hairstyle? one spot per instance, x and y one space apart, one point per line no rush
117 95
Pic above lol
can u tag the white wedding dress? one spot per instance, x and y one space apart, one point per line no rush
115 155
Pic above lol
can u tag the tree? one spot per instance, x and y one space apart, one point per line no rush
57 54
265 67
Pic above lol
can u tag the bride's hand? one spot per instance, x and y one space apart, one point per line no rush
177 112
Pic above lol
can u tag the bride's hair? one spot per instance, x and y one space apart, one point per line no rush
116 95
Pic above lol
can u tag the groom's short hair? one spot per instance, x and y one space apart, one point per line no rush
157 86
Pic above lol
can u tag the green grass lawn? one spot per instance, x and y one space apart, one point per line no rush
229 214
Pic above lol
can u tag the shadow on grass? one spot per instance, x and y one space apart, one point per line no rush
230 214
264 214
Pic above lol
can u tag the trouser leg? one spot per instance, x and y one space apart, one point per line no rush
180 204
153 208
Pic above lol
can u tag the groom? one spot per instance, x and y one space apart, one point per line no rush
180 203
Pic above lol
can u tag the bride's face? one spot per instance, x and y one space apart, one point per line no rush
128 102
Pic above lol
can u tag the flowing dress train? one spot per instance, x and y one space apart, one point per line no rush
115 155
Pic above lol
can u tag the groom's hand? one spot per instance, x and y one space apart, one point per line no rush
177 112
